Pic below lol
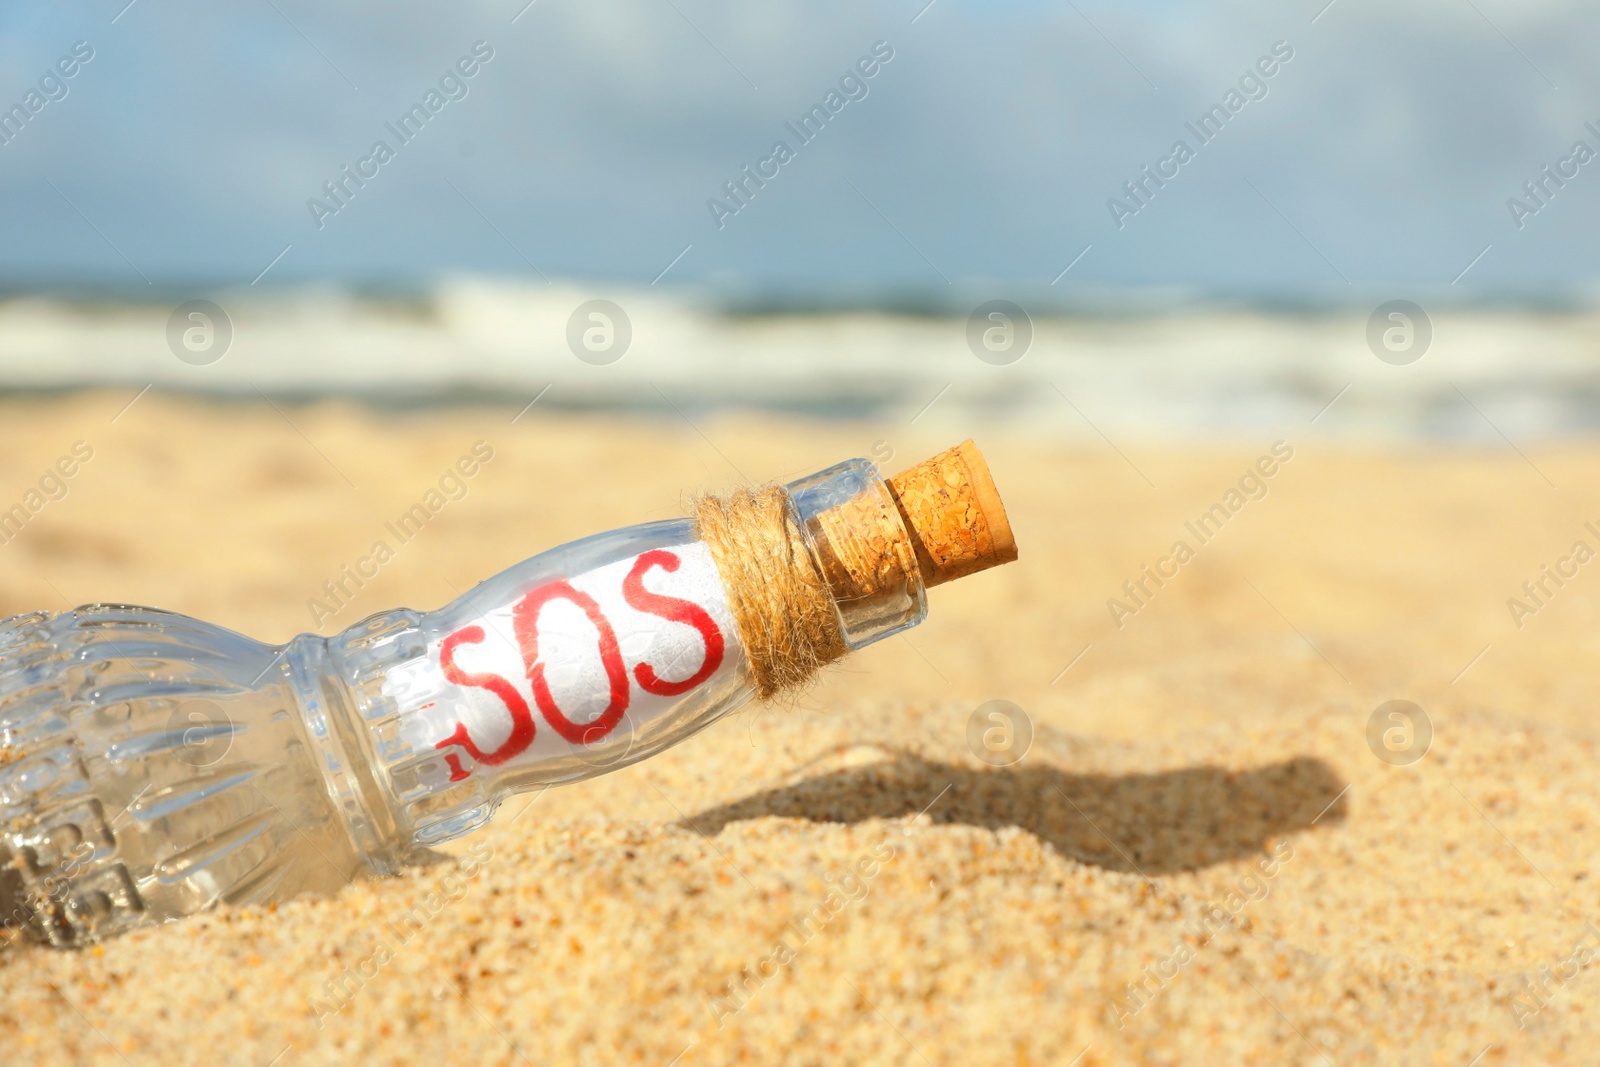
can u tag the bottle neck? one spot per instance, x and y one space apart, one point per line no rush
859 543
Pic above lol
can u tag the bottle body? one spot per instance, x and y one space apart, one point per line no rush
154 765
576 662
581 660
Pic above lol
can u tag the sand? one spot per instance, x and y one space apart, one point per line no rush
1198 860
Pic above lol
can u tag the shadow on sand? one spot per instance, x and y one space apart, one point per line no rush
1180 820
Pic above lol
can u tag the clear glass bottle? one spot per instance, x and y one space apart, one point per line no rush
154 765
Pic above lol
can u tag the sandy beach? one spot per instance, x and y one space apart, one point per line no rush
1200 858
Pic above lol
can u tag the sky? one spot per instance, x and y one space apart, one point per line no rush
986 152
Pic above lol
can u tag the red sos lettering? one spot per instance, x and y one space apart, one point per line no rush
526 618
674 609
521 719
525 624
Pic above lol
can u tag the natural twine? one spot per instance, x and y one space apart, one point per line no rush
780 602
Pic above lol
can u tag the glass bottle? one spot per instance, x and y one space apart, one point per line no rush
154 765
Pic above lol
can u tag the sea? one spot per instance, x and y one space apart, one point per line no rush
1156 369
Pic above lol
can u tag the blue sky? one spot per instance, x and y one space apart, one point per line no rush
982 156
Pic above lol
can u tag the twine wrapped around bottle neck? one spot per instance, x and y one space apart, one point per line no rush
780 602
802 596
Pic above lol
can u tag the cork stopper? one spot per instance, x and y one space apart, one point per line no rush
953 511
941 519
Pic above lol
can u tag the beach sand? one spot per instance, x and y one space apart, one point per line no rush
1199 859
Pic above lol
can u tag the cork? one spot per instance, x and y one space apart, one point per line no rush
863 547
953 511
941 519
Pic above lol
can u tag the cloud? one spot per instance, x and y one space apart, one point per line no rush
988 149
